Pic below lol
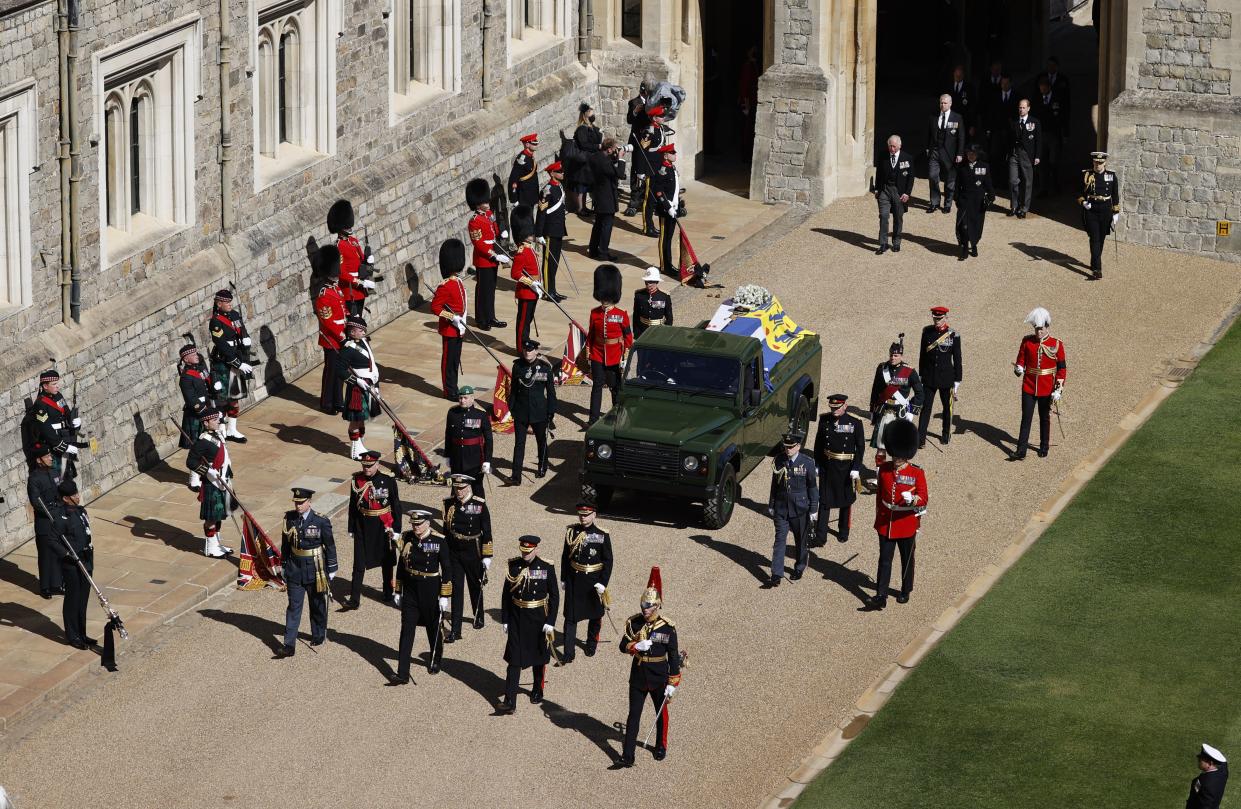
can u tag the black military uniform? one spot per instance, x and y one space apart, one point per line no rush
528 611
424 584
894 178
650 308
665 198
638 121
1100 201
374 523
649 142
230 361
198 394
974 194
1000 113
55 424
467 440
72 523
585 569
549 225
839 447
1053 114
532 403
1206 791
308 552
41 486
793 503
945 146
1026 146
467 526
651 640
523 177
939 366
895 393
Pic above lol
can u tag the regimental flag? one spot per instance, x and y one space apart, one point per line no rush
571 372
501 419
686 257
769 325
260 559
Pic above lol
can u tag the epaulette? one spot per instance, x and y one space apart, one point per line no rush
513 559
914 465
662 621
479 499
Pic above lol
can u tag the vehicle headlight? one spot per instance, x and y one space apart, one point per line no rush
604 451
690 463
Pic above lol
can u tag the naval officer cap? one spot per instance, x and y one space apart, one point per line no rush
1212 753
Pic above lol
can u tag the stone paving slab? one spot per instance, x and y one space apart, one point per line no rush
146 532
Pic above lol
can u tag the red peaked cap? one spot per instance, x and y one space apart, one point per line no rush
655 112
939 310
655 582
531 138
554 167
671 147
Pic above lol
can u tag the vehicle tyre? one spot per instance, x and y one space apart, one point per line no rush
718 510
800 422
598 496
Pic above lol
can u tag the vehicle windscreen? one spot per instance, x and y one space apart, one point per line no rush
680 370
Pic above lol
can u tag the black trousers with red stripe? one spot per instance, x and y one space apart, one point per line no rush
525 318
637 696
450 365
513 676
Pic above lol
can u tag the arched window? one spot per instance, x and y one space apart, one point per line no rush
17 153
115 161
288 83
266 75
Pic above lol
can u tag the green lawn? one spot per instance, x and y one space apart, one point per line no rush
1093 670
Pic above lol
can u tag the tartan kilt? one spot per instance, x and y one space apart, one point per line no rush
359 405
213 503
191 426
236 386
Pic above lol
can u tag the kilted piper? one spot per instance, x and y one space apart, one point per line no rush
208 458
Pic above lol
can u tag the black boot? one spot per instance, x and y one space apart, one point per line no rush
541 472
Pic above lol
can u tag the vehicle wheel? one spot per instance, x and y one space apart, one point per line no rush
598 496
800 422
717 511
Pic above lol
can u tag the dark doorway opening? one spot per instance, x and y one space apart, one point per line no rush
732 42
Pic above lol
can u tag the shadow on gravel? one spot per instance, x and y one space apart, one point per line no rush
1064 260
995 436
850 580
396 376
31 620
292 393
849 237
933 245
755 563
269 632
597 732
170 535
487 684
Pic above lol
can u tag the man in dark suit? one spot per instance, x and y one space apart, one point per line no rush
998 115
894 182
638 121
945 148
1026 139
607 168
1051 112
964 99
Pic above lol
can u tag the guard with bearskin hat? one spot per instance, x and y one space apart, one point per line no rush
839 447
487 256
549 226
467 526
523 178
199 393
525 271
330 309
449 305
355 260
900 502
939 366
896 393
359 372
585 569
666 193
423 586
1042 365
374 524
230 360
655 673
532 403
208 458
55 424
308 553
608 337
528 609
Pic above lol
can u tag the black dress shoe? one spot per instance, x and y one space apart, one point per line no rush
873 605
1042 453
286 651
592 254
842 538
964 254
541 472
948 208
630 211
479 620
318 642
91 641
651 232
386 598
896 247
450 638
661 753
932 209
434 668
564 661
921 443
194 488
45 594
623 762
902 598
505 708
515 480
1017 456
398 679
78 643
558 297
1021 214
795 575
499 324
883 248
974 250
1010 212
481 327
590 650
536 697
947 437
772 583
349 606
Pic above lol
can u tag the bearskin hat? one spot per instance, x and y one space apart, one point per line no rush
900 439
607 284
521 222
340 216
477 191
327 261
452 257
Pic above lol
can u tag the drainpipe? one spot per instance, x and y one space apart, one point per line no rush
488 13
584 20
75 164
226 124
68 149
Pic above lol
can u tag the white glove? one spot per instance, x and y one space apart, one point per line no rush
505 628
77 422
246 368
396 599
213 474
218 385
370 259
907 497
364 383
641 178
503 260
245 341
564 585
669 690
900 399
367 284
771 512
487 563
1115 219
331 576
459 322
909 416
541 240
1086 205
504 234
1019 370
486 467
628 147
71 450
956 386
443 604
643 645
599 588
814 516
854 474
1055 395
537 287
548 629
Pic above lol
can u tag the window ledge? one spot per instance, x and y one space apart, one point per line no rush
7 310
533 41
419 95
144 232
290 159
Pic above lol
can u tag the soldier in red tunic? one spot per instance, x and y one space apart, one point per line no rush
900 502
483 235
608 338
354 282
1041 366
449 305
330 310
525 271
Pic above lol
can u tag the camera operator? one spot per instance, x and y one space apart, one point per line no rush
606 168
